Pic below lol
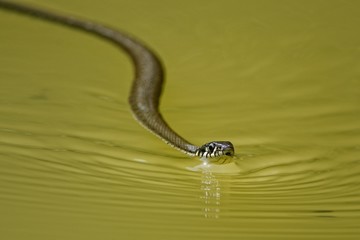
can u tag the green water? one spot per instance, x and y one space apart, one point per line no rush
280 79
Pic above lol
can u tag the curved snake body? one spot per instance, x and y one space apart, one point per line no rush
147 85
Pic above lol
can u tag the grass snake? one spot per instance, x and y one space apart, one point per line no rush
147 84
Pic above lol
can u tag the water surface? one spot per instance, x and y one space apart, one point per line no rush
280 79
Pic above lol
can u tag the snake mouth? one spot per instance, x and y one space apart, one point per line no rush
223 159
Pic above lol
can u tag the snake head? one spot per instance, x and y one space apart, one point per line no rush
215 150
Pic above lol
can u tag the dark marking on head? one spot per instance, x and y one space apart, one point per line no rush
216 149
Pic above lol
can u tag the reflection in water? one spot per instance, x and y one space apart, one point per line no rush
211 190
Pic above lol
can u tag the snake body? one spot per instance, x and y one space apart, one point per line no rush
147 85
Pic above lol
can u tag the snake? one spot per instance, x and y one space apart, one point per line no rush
147 85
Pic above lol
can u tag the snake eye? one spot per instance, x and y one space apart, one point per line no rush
211 148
